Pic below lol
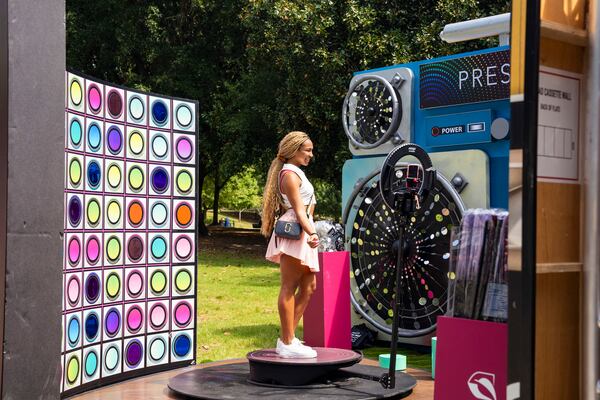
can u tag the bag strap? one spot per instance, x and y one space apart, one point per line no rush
281 194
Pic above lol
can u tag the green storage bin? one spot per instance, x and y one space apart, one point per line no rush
384 361
433 345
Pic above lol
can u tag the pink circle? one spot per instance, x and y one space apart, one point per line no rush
94 98
74 250
134 283
92 249
134 319
158 316
184 148
183 314
183 247
73 290
430 294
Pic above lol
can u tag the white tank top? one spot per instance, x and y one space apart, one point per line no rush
307 190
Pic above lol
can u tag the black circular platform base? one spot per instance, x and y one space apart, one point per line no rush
266 367
230 381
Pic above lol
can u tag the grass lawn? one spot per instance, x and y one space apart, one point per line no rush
236 222
237 308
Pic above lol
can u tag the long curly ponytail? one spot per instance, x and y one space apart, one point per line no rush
288 146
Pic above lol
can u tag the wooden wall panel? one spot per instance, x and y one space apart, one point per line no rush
566 12
557 336
558 223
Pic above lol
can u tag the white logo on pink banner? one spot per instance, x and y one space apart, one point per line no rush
481 385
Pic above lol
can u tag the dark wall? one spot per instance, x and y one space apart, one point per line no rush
36 74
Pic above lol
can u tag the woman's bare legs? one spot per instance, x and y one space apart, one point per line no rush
291 305
308 285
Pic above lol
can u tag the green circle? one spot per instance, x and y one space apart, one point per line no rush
183 280
113 248
111 358
158 282
158 247
136 178
93 212
72 369
184 181
75 172
113 285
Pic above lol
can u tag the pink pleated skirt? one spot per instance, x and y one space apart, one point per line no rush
295 248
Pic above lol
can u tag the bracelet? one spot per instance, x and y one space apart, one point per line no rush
314 233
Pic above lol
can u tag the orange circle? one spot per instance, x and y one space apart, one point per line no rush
136 213
184 214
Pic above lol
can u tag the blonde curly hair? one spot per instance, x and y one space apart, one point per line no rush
272 200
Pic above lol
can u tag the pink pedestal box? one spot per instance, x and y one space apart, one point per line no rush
471 360
327 320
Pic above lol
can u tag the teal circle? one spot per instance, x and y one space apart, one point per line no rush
91 363
157 349
158 247
111 358
75 132
73 331
94 136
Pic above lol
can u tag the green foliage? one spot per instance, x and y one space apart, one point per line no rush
260 68
329 200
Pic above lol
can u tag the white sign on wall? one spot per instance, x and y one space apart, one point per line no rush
558 126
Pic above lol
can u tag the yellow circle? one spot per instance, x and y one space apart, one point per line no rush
75 92
184 181
113 212
72 369
114 176
75 172
93 212
136 143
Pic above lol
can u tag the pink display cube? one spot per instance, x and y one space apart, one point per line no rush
471 359
327 320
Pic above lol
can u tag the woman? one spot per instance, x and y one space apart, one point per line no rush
288 193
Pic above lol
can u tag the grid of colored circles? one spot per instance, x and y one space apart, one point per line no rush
130 184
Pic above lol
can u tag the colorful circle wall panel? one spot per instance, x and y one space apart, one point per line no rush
184 182
75 93
184 148
114 103
114 140
159 112
91 361
75 134
136 108
184 116
157 352
93 174
94 136
159 180
129 271
160 148
94 98
181 346
92 325
74 210
134 354
134 283
183 215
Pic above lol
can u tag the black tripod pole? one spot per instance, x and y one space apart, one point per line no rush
388 380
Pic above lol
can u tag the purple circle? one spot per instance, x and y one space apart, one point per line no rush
75 211
160 180
112 322
92 288
133 353
115 140
184 149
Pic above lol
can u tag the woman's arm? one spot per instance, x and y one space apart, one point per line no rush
290 186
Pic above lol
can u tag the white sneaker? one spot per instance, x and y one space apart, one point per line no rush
294 350
298 342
